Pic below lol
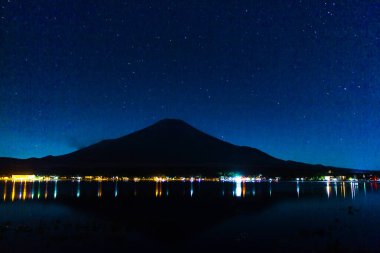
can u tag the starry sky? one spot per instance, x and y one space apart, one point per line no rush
299 80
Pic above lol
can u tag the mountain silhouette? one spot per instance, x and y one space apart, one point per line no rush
170 146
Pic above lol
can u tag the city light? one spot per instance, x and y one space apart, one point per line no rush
23 177
235 177
243 186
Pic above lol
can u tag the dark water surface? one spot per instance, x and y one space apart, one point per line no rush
67 216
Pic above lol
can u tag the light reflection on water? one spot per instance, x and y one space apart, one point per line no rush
100 190
354 189
20 194
5 190
46 189
328 189
343 189
39 189
238 189
55 188
158 189
167 189
78 189
27 190
13 191
270 189
32 193
24 192
298 189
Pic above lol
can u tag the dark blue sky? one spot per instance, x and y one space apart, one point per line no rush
299 80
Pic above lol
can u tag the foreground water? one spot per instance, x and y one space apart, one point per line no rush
62 216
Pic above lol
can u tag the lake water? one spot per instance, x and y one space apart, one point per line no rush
67 216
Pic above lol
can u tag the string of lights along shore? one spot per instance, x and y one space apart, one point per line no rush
297 79
32 187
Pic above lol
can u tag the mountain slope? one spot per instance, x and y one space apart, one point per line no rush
169 146
168 142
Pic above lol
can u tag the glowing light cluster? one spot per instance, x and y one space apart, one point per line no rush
237 179
23 177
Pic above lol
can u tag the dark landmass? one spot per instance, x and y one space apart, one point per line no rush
170 147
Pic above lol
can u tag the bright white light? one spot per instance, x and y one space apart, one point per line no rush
238 189
238 179
328 189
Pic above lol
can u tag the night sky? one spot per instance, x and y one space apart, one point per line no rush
299 80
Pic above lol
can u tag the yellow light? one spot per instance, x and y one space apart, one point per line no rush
5 190
13 191
99 189
46 189
344 189
23 177
24 193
